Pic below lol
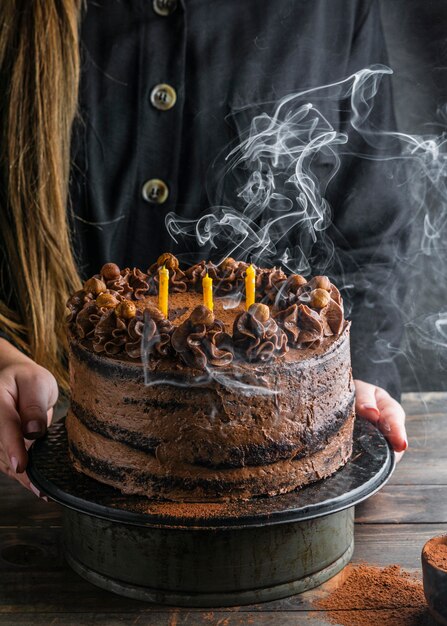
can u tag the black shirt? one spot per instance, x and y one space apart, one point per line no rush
228 60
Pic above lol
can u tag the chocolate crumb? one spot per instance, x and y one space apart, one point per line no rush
374 596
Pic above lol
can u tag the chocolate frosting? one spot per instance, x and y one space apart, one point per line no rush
201 340
303 325
140 284
257 339
110 335
332 316
298 316
88 318
120 284
287 319
132 345
269 281
178 282
76 303
132 284
290 291
157 334
230 276
197 272
310 325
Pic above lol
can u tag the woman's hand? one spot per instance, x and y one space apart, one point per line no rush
376 405
28 393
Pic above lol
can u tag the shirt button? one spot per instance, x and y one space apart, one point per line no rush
155 191
164 7
163 97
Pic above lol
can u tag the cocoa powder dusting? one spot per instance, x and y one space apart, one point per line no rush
436 554
377 596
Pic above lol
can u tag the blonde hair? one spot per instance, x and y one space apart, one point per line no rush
39 75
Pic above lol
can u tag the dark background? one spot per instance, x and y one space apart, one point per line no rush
416 34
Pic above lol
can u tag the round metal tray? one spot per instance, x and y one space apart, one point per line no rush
370 466
213 554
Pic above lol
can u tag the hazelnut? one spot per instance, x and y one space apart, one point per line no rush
201 315
319 298
168 260
109 271
126 309
321 282
261 312
296 280
95 286
107 300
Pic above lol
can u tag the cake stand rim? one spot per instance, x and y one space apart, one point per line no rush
284 516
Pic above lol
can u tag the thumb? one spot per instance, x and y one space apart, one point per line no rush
366 402
37 394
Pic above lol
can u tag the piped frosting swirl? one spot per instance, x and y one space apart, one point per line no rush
201 340
177 279
257 336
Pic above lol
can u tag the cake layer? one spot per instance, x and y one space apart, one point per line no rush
136 472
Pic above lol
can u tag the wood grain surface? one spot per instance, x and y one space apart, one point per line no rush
37 587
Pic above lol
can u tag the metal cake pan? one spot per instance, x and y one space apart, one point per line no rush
210 555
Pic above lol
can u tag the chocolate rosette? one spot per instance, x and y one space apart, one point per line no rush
121 284
196 273
87 319
133 340
178 282
129 283
76 303
269 282
140 284
287 320
156 335
230 276
285 293
332 317
201 340
310 325
110 334
256 335
302 325
117 280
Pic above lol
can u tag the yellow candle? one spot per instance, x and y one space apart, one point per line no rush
163 290
207 284
250 286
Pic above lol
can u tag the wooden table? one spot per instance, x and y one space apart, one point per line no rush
37 587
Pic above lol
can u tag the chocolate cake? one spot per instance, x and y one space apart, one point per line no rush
201 405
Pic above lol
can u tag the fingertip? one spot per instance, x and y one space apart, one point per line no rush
35 428
371 408
401 446
371 413
399 443
18 462
14 462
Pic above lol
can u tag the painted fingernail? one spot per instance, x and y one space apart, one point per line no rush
33 429
371 407
406 445
14 463
35 490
